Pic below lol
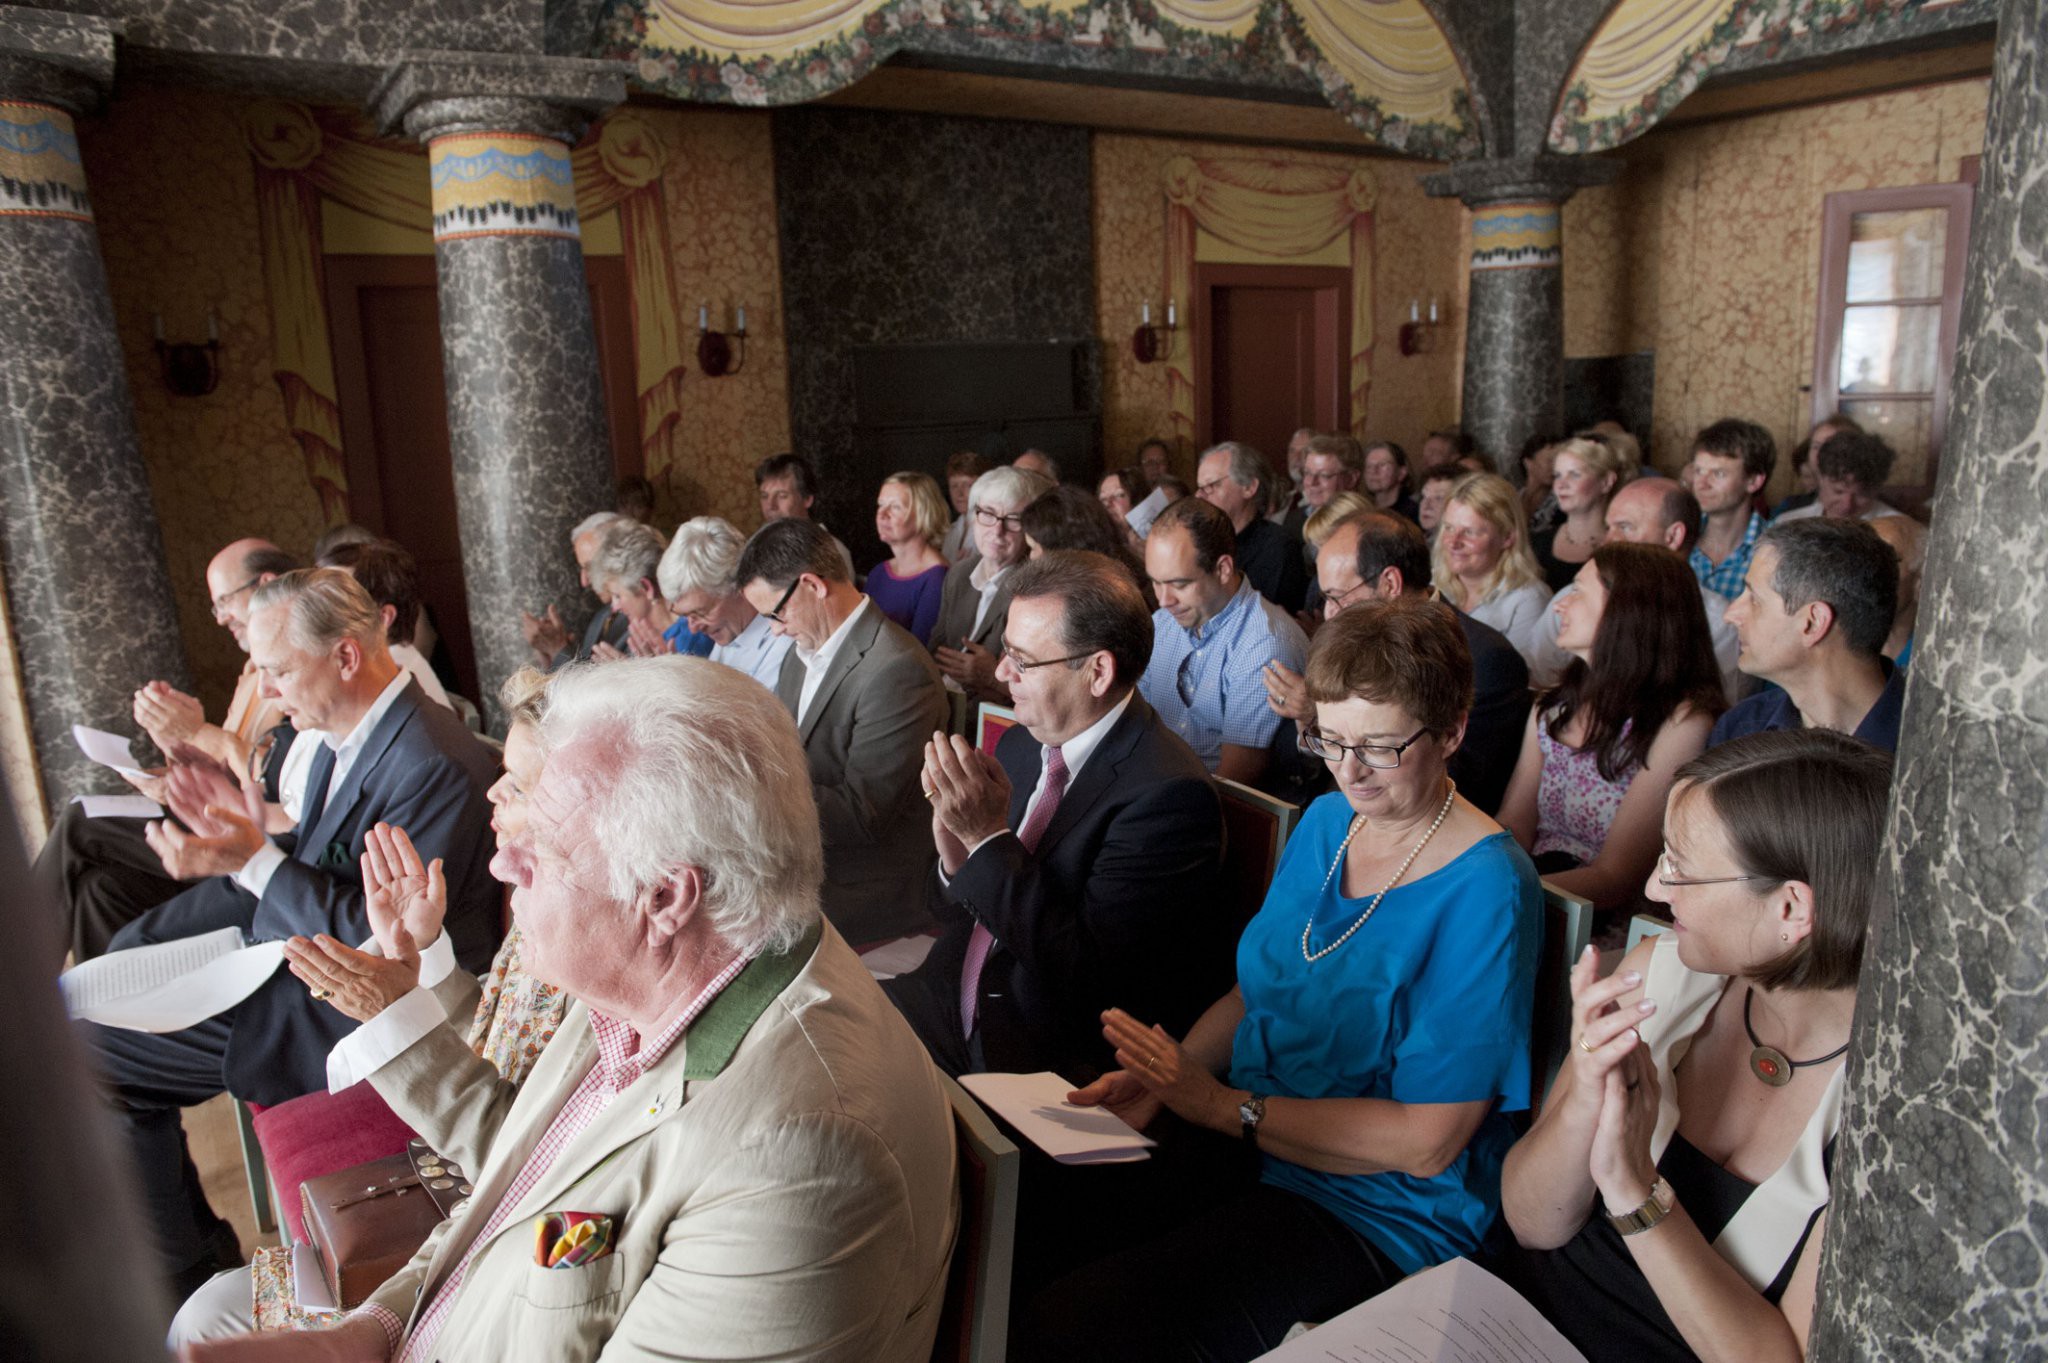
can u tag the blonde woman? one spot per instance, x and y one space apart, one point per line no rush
911 518
1482 564
1584 474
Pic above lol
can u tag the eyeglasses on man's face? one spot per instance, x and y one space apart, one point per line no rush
1383 756
221 602
1023 664
783 601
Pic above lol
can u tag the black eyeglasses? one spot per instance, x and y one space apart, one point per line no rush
1022 664
776 614
1383 756
991 519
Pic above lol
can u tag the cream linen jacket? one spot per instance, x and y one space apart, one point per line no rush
782 1185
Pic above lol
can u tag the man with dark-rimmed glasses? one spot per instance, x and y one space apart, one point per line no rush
864 693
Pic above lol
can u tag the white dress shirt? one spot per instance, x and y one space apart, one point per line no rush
756 650
298 759
256 872
816 664
988 586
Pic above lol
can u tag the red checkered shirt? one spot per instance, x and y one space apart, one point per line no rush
621 1059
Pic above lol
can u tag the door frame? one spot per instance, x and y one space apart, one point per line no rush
1214 275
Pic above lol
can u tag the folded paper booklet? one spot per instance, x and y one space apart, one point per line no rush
1456 1312
1036 1105
119 806
109 750
169 985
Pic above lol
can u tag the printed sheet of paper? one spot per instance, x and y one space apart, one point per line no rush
169 985
109 750
1142 515
1036 1104
1453 1313
120 807
899 957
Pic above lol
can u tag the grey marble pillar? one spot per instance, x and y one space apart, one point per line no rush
87 587
526 418
1937 1246
1514 322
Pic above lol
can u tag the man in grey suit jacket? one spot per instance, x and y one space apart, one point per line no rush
319 640
866 696
974 600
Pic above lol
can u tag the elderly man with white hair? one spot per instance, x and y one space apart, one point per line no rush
547 636
967 640
697 575
734 1146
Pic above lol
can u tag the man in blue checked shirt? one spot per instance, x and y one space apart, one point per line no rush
1212 637
1731 462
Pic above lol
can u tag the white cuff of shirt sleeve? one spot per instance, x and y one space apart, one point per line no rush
437 962
259 868
383 1039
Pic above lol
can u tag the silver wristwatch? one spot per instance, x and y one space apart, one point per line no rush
1250 1113
1655 1208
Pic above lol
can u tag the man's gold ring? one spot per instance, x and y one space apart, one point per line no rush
323 993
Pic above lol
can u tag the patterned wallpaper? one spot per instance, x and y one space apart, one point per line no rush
1416 251
1707 250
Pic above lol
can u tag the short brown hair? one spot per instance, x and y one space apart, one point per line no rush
1805 805
1409 652
1342 447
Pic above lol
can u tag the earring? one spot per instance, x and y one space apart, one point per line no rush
1784 936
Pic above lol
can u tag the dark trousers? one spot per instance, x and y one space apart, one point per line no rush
153 1078
1224 1287
103 874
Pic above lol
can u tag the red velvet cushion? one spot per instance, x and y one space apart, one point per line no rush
324 1133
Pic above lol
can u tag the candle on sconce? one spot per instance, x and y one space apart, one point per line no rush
1414 310
1145 313
1432 310
742 320
1169 313
704 317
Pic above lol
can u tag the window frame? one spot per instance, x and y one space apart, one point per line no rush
1838 213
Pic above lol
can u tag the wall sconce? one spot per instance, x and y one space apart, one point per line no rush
190 370
1150 342
1416 332
719 354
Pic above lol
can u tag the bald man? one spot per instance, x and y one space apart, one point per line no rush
101 870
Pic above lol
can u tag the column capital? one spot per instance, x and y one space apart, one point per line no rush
433 94
50 57
1520 179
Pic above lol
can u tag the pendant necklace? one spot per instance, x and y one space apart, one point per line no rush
1450 794
1769 1063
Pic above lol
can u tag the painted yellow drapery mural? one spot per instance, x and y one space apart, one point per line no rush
1276 207
303 155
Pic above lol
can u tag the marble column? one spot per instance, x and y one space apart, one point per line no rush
1937 1244
88 592
526 417
1514 322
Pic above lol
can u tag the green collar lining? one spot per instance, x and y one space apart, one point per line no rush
709 1044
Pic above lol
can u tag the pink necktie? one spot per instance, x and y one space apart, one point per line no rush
981 941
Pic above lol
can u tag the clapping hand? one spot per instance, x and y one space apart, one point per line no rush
972 666
646 641
970 796
1287 693
1621 1165
168 715
1162 1068
406 903
223 820
1603 1033
602 652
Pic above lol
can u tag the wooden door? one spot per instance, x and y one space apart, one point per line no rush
1271 349
384 313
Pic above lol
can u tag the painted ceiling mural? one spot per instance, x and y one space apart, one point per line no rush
1648 55
1383 64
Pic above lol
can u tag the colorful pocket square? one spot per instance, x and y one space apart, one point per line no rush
571 1239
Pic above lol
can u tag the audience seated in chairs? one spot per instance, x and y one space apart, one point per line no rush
769 1150
1731 461
865 696
1585 475
969 632
103 871
1119 492
1658 510
1068 518
1852 469
623 571
320 642
1814 613
1433 494
1600 747
547 636
1213 636
696 576
1386 479
1666 1210
1372 556
961 471
1380 1140
1482 564
910 518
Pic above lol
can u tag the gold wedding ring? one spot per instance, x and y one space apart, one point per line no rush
1584 1047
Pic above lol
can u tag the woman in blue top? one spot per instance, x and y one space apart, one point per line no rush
910 518
1376 1039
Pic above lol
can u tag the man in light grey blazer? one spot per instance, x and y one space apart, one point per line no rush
866 696
758 1149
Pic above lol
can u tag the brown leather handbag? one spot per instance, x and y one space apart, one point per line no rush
367 1222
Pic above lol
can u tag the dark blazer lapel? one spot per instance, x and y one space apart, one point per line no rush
1099 774
340 802
859 640
998 611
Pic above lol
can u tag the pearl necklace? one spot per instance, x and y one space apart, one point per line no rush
1450 794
